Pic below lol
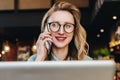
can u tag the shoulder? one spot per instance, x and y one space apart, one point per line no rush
32 58
87 58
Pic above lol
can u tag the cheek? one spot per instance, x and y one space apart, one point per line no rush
70 36
53 34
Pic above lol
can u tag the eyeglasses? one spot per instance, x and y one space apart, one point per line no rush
55 27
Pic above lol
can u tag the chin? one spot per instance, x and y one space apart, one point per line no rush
60 46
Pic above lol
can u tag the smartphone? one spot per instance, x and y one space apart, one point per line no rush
48 43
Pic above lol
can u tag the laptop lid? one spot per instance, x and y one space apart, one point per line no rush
58 70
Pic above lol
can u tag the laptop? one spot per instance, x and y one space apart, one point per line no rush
58 70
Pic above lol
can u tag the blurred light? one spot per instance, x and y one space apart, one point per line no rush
101 30
3 52
98 35
114 43
17 39
114 17
111 49
0 55
34 48
118 47
6 48
114 78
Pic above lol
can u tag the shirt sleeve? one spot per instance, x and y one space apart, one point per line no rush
87 58
32 58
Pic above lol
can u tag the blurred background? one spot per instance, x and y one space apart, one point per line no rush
20 22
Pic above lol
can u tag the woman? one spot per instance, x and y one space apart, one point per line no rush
61 28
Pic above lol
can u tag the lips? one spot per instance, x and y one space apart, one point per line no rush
60 38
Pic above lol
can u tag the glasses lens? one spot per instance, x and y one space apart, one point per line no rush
69 28
54 26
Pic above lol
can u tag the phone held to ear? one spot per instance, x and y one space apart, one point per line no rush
48 43
48 46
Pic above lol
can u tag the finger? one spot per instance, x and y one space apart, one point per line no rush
42 41
48 39
45 35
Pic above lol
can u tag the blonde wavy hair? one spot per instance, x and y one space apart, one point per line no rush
78 47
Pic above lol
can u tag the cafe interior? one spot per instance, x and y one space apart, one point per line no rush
20 22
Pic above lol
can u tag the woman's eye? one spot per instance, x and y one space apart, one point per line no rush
67 26
54 24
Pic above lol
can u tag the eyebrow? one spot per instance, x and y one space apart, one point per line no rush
64 23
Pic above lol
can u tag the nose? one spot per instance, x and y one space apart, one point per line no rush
61 30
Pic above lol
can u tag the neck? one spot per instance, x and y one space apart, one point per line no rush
60 53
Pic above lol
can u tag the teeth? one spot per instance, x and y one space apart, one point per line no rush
60 38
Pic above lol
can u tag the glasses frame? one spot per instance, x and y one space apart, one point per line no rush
60 26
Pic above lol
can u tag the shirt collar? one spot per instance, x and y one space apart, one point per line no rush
54 58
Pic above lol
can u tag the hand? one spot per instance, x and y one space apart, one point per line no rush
41 47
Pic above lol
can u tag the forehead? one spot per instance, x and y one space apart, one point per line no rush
62 17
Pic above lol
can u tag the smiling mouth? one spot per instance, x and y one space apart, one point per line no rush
60 38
